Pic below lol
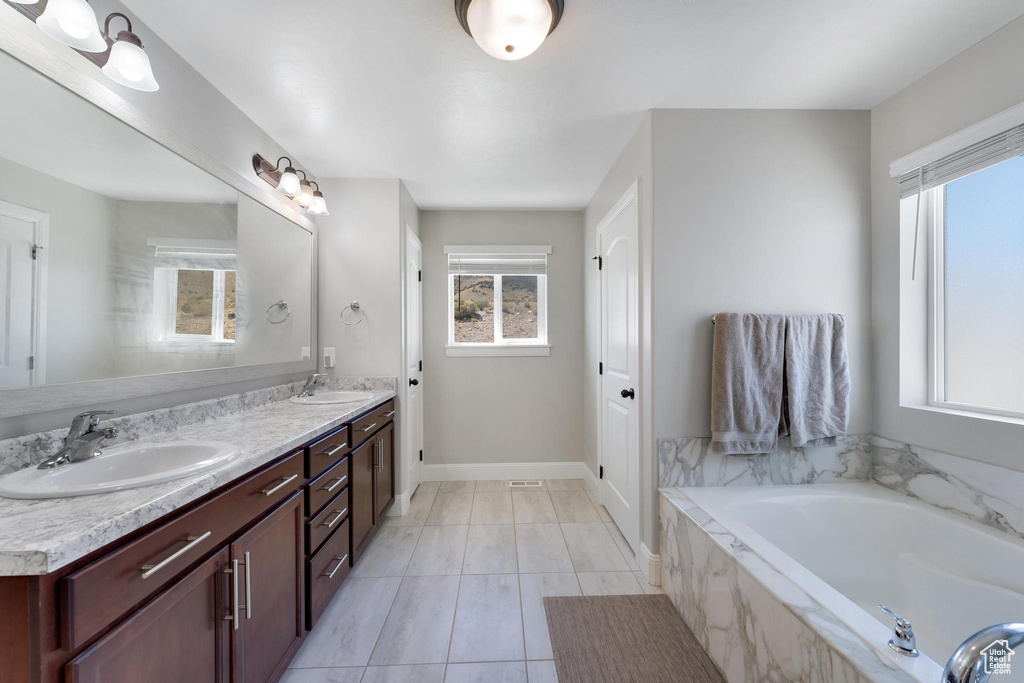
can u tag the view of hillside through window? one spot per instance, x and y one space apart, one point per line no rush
474 304
519 307
197 294
229 304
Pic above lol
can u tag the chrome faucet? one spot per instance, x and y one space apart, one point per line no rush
81 441
311 384
902 640
970 663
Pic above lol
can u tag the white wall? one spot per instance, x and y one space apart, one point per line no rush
976 84
504 410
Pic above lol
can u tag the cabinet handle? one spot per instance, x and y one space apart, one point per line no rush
391 414
233 617
270 492
248 588
336 483
336 449
341 513
149 569
368 428
341 561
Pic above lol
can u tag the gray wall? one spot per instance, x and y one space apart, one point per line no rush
976 84
504 410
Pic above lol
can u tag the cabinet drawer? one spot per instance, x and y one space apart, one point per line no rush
330 518
326 451
99 593
366 426
325 572
326 486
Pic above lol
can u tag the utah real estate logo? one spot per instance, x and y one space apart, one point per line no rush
997 657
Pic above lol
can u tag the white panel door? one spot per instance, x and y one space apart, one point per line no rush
413 419
620 392
17 236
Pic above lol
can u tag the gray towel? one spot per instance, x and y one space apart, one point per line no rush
817 379
746 383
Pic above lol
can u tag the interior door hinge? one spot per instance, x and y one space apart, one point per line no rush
600 368
421 456
600 472
600 262
31 362
35 251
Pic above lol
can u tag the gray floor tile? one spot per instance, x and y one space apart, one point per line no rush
648 588
409 673
487 672
418 629
388 553
592 549
419 506
440 550
533 507
574 506
541 548
565 484
346 675
457 487
492 507
542 672
347 630
451 508
620 542
534 587
491 549
609 583
488 620
601 511
492 485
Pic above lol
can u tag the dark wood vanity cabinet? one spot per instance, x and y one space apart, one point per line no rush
373 476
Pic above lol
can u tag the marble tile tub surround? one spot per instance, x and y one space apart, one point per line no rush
40 536
753 621
19 452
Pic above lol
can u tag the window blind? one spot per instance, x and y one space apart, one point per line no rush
988 152
194 254
497 264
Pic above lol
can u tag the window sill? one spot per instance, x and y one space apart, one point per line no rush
973 414
226 347
496 350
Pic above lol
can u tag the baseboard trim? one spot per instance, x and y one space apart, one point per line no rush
401 505
592 481
516 470
650 565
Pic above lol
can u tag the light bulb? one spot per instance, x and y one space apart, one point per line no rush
319 205
509 29
305 197
289 183
72 22
129 65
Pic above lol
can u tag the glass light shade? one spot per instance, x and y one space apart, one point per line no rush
24 2
289 183
72 22
319 205
509 29
129 65
305 197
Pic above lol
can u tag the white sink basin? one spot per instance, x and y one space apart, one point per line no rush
329 397
128 466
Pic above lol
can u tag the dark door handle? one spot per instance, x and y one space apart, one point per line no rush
627 393
414 382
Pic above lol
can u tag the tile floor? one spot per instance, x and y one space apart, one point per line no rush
454 590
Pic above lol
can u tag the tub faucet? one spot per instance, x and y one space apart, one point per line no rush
81 441
972 661
311 383
902 640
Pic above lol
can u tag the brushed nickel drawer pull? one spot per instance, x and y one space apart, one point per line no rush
284 482
391 414
366 429
341 561
337 482
248 587
149 569
336 449
341 513
233 617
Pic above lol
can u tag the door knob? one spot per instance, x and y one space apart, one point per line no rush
414 382
627 393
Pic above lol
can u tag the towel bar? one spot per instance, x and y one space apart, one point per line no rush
713 318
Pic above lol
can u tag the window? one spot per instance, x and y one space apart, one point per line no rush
977 290
497 300
194 285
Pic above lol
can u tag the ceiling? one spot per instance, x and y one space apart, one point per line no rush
395 88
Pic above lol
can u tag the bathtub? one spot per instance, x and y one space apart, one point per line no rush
851 546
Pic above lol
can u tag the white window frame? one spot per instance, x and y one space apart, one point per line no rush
934 205
167 287
501 346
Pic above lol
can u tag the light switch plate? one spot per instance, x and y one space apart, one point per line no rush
329 357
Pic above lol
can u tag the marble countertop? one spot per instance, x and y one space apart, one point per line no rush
41 536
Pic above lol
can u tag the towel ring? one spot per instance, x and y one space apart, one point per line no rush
283 305
355 308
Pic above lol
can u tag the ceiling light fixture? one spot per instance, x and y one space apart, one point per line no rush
287 182
509 29
128 63
72 22
319 205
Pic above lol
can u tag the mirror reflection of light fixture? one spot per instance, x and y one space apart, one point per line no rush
305 197
319 205
72 22
509 29
128 63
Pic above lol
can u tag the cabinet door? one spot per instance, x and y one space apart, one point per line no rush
180 635
270 594
361 495
384 480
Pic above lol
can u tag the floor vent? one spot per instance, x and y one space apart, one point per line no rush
526 484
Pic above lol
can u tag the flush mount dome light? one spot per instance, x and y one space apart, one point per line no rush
72 22
509 29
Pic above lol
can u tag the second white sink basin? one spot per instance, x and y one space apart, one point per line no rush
329 397
127 466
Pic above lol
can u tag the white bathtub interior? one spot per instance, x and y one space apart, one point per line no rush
948 575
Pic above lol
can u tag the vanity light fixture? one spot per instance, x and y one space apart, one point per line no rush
509 29
305 197
72 22
128 63
289 183
319 205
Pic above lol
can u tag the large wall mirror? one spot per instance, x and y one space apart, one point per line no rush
121 259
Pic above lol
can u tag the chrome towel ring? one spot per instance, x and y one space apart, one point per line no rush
356 308
280 305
